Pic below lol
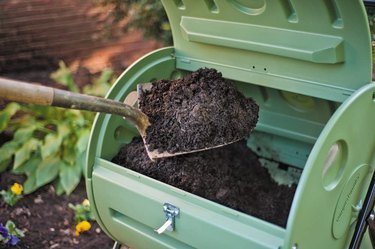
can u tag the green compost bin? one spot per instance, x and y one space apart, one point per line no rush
308 66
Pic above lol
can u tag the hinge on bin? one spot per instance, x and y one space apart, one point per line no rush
170 212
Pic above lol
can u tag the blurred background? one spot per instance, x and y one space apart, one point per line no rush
80 46
87 35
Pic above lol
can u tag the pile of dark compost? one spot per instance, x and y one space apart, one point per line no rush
229 175
198 111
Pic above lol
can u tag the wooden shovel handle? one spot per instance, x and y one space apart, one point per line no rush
18 91
25 93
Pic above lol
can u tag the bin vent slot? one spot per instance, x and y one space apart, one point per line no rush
289 11
179 4
270 40
211 5
334 14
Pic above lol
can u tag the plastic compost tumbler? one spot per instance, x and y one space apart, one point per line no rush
308 65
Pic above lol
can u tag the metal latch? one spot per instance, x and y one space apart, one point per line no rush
170 212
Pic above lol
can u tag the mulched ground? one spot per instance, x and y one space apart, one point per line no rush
47 220
197 111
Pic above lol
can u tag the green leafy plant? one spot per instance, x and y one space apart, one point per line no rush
49 143
82 211
9 234
145 15
13 194
370 10
82 216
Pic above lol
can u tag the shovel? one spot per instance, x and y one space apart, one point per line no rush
18 91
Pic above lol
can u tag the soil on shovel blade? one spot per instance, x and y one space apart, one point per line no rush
229 175
198 111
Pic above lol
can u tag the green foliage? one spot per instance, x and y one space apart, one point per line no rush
101 85
370 10
13 194
9 198
146 15
64 77
49 143
371 19
12 229
82 212
10 234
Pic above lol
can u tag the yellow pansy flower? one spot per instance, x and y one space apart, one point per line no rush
16 189
83 226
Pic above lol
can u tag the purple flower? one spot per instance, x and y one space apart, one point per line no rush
3 231
13 240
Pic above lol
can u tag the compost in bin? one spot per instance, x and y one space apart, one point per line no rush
230 175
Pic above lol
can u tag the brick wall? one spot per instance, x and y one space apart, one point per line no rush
35 34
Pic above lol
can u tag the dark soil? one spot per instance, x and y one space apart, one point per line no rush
48 221
230 175
198 111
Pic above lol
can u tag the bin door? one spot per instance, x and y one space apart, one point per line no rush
336 177
319 48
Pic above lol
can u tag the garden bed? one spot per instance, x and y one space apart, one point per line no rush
47 220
